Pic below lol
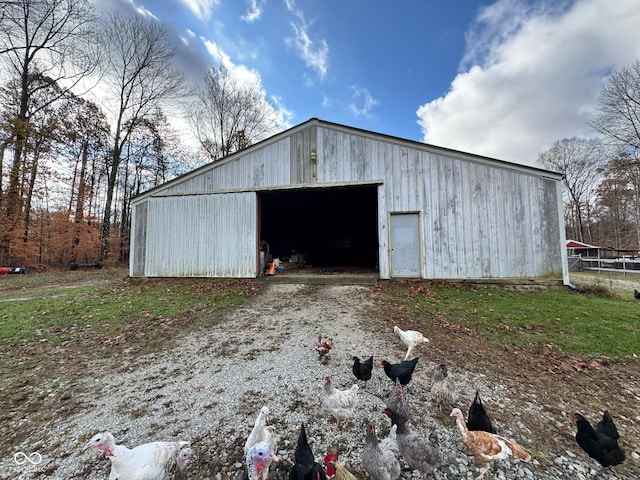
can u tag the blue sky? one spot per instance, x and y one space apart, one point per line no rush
501 78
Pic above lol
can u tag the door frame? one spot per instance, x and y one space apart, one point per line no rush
417 213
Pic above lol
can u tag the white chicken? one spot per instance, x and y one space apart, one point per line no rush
340 403
150 461
262 434
411 338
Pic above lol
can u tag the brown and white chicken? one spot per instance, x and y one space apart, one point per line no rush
443 390
340 403
486 447
411 338
323 347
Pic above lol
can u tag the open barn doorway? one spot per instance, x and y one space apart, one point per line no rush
322 227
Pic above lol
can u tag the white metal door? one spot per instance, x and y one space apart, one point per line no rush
405 245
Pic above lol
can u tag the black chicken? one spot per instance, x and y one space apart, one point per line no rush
362 370
636 294
400 372
305 466
600 444
478 419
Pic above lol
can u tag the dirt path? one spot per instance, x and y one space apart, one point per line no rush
210 387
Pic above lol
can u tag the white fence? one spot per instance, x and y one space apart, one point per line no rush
623 265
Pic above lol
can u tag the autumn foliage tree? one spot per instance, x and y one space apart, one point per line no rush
39 39
69 165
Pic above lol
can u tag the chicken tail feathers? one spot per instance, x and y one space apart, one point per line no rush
519 451
607 427
316 472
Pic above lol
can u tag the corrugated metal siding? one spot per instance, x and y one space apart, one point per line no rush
302 144
138 239
202 236
479 220
268 166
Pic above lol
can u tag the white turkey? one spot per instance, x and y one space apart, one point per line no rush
261 434
411 338
150 461
184 457
258 459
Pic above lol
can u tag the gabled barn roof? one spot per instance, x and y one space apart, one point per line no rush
366 133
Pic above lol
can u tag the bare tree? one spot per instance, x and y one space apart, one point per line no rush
618 109
617 118
614 212
139 76
626 169
52 37
229 116
580 160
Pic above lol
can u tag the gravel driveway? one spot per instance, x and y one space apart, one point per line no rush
211 386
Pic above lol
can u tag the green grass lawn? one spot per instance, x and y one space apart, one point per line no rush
593 324
59 314
152 311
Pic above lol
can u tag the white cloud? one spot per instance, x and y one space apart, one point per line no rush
314 53
186 39
362 102
254 12
146 13
531 76
201 8
245 76
284 114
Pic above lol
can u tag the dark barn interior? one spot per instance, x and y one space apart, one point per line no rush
322 227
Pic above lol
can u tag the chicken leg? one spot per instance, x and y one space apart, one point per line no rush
484 471
409 350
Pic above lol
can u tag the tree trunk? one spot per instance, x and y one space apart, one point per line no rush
111 184
27 202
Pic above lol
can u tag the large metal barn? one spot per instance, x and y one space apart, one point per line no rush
330 195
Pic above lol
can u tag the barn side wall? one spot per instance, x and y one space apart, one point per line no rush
478 220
